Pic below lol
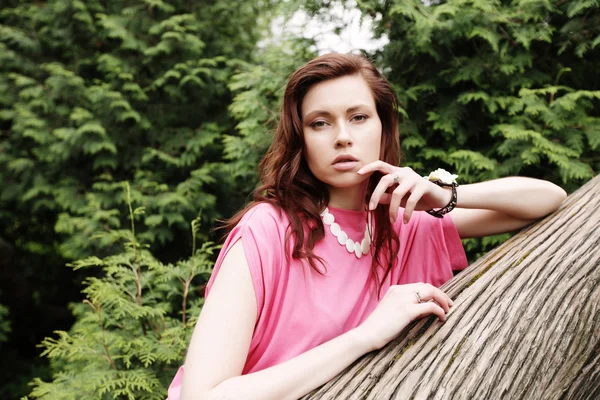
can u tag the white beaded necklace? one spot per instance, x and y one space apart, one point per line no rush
353 247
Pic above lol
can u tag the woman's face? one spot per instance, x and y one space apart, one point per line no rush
342 130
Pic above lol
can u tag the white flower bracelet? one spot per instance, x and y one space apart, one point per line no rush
443 178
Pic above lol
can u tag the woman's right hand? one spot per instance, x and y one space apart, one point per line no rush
398 308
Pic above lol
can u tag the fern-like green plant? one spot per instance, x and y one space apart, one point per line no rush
134 325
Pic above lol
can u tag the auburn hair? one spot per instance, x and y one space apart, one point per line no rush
287 183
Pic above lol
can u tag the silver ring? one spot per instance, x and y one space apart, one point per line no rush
418 297
396 177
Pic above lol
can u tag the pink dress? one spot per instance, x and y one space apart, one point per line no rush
298 308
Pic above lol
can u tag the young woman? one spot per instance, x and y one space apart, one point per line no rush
338 252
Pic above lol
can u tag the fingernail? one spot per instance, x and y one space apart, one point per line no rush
451 303
371 206
359 171
405 220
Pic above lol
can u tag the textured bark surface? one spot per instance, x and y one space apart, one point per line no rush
525 323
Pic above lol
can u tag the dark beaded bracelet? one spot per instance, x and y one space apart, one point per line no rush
443 211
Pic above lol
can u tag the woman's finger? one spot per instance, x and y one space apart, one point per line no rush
412 202
385 182
428 308
376 166
427 292
397 196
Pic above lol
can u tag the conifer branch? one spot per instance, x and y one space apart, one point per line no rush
137 270
186 288
186 285
98 311
138 283
127 190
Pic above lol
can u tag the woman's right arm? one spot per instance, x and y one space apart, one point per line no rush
222 336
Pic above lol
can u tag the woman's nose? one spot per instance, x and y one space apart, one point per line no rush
343 137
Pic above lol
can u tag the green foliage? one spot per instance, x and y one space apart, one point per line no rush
493 88
133 327
96 94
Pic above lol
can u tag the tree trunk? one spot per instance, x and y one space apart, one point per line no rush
525 323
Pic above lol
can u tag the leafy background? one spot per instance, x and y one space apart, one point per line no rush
128 128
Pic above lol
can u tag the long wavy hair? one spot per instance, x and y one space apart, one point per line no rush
287 183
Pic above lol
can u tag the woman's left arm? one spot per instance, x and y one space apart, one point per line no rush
503 205
482 209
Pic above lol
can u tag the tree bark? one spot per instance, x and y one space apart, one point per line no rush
525 323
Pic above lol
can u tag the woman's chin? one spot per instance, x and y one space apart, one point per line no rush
348 182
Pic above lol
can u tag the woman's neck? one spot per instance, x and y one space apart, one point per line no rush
348 198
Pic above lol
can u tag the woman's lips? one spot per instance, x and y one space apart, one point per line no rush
345 165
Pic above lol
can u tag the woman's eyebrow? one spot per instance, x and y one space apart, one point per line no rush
328 114
356 107
315 113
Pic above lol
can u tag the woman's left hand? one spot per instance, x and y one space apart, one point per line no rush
410 190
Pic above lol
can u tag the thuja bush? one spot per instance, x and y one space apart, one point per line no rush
94 93
134 325
495 88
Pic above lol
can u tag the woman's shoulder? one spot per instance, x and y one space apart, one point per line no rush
264 215
263 208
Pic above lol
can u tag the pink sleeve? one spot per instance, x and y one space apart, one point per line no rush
430 249
454 247
260 231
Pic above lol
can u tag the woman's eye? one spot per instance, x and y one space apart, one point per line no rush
360 117
318 124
